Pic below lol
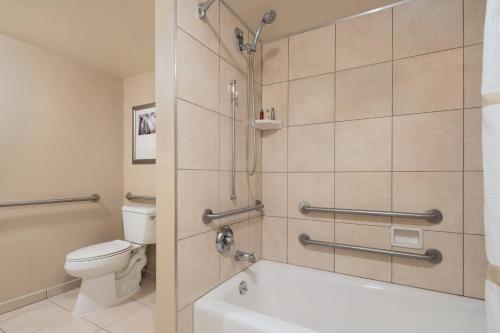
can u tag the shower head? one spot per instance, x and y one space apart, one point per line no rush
268 18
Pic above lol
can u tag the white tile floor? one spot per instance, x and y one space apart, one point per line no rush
54 315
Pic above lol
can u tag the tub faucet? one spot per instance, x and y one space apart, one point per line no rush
244 256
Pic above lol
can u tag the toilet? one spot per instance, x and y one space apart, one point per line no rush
111 272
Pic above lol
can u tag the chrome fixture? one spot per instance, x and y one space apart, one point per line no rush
268 18
243 288
208 215
244 256
225 240
203 8
131 196
234 98
93 197
433 216
431 255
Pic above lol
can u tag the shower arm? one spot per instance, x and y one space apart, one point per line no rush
203 8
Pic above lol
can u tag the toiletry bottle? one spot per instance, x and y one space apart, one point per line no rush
261 115
268 115
273 114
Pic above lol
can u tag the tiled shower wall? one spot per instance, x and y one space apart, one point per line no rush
207 59
382 112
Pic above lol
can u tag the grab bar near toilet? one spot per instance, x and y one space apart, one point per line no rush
93 197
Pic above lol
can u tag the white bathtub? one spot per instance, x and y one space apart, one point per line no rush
289 299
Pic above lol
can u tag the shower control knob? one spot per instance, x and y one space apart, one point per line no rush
224 240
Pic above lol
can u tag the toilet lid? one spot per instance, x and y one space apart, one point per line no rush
99 251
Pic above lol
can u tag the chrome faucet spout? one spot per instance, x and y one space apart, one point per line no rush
244 256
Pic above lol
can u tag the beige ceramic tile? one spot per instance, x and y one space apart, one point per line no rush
417 192
207 30
275 61
229 49
66 300
226 144
315 188
274 190
311 100
254 192
228 265
311 148
372 266
473 67
363 145
147 294
257 60
22 310
185 320
474 11
364 92
475 265
140 321
192 201
228 73
255 237
364 40
473 150
197 72
274 150
276 96
425 26
446 276
73 325
431 82
241 201
473 203
428 142
197 137
312 52
258 140
112 314
363 190
42 317
274 238
197 267
310 256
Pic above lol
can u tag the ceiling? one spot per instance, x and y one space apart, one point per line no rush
113 36
299 15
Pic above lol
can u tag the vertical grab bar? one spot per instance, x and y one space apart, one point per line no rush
234 97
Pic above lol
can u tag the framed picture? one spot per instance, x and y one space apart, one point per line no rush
144 134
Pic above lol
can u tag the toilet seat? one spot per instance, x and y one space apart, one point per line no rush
99 251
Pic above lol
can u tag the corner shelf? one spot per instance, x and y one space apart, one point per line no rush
267 124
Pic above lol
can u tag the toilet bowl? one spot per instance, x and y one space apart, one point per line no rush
112 271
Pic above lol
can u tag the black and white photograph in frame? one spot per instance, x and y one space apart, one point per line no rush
144 134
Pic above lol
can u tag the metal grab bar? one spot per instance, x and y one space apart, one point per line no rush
131 196
432 215
431 255
208 215
93 197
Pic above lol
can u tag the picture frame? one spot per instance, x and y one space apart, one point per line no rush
144 134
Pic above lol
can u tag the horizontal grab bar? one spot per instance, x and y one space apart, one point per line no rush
432 215
431 255
208 215
93 197
131 196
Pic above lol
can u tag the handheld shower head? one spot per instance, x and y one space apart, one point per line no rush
268 18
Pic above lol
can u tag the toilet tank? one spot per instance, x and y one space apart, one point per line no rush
139 224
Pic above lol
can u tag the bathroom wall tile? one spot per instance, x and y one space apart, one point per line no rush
311 100
206 31
197 267
66 300
473 150
257 60
311 148
473 67
372 266
197 137
431 82
473 203
364 92
363 145
228 265
254 192
197 72
363 190
364 40
229 49
276 96
275 61
310 256
274 150
475 266
420 191
274 190
312 52
227 73
226 144
185 320
315 188
255 237
241 200
274 238
258 144
192 201
427 26
428 142
474 12
446 276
